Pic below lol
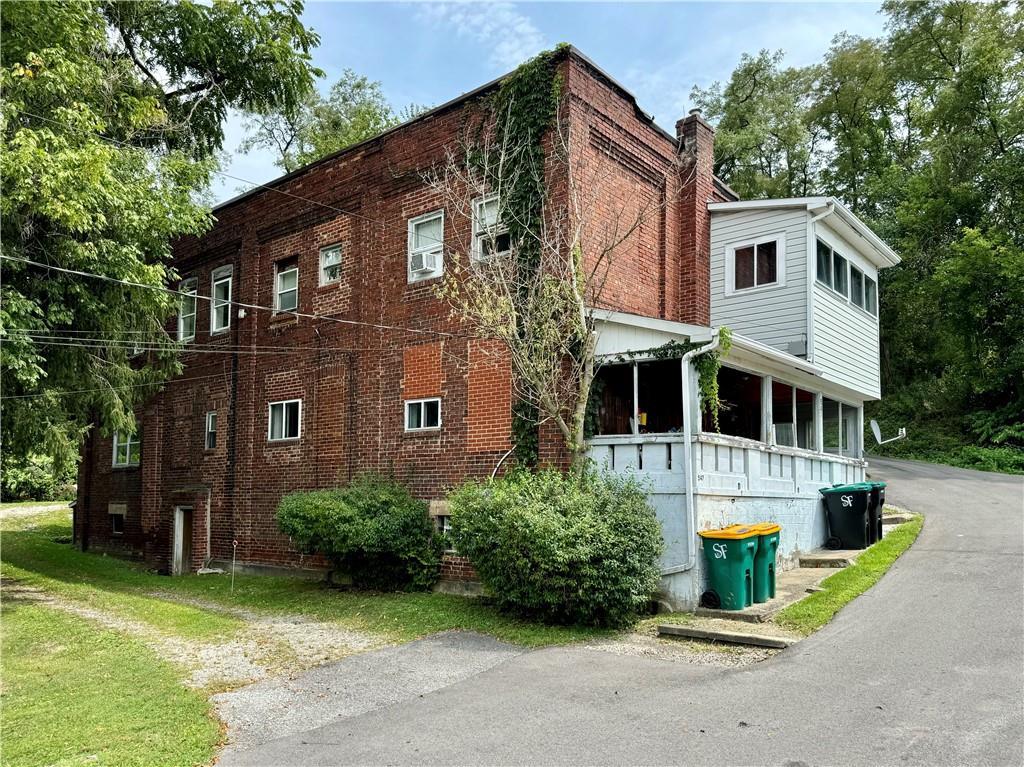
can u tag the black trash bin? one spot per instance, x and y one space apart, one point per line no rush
875 504
848 512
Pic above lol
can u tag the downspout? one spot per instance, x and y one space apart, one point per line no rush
691 506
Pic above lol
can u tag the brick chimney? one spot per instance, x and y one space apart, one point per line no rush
697 150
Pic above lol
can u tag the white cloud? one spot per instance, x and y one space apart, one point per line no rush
510 35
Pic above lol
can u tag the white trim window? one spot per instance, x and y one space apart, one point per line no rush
187 309
330 264
756 264
284 420
870 296
210 440
220 303
423 414
286 286
832 269
127 449
426 246
490 236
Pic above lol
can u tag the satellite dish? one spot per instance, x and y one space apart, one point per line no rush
876 430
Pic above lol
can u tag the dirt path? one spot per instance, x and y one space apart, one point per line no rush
268 645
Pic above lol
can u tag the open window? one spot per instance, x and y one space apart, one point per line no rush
638 398
740 411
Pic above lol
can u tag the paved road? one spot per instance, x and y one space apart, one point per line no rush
926 668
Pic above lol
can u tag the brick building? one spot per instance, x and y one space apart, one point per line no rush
382 377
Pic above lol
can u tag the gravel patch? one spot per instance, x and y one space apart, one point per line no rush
282 706
681 650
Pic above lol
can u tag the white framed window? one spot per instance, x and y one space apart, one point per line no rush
284 420
330 264
210 441
840 283
220 304
286 286
856 286
832 269
423 414
127 449
426 246
117 512
443 522
187 310
756 264
490 237
870 296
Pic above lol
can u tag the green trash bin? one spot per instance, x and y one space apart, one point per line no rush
848 511
764 560
730 555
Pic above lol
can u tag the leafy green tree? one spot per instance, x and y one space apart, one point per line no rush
111 115
354 110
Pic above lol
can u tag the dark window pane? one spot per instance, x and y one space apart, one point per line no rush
857 286
744 267
824 264
870 295
292 429
804 419
767 263
431 414
838 273
782 413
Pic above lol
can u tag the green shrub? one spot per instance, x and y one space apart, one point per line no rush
34 480
559 547
371 530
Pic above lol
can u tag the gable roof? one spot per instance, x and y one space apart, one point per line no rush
875 249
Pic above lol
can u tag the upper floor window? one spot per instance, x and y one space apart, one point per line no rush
490 235
832 269
187 310
220 305
211 430
423 414
755 264
330 264
426 245
285 420
863 291
286 290
127 447
870 296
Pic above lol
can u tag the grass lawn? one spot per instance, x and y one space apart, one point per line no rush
811 613
76 694
31 555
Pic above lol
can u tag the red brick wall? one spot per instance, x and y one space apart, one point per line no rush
385 340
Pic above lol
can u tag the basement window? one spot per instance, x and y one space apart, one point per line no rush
285 420
127 449
116 512
423 414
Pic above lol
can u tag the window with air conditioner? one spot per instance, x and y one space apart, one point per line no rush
490 236
426 246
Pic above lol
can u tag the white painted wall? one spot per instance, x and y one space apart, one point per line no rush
846 345
776 315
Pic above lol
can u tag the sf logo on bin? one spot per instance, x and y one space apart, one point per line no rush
847 500
719 549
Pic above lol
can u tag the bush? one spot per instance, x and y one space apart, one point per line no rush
34 480
373 530
563 548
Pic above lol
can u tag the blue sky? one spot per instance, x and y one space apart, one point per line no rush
428 53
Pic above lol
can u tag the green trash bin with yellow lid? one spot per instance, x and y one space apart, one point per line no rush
730 555
764 560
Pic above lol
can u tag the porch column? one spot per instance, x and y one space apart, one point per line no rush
766 410
636 399
819 431
859 451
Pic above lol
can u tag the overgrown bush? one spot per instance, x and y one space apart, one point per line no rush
560 547
373 530
35 480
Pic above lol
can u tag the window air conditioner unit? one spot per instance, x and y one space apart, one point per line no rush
424 262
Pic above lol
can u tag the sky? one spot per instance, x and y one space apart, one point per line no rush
428 53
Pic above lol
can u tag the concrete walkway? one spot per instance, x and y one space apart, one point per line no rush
926 668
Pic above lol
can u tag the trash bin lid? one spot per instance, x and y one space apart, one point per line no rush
732 532
766 528
856 487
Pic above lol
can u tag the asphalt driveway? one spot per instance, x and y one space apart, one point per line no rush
925 668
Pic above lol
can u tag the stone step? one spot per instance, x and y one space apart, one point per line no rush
715 635
827 558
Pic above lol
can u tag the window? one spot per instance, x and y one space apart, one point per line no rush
220 306
426 246
285 420
286 290
444 529
784 413
856 286
126 449
824 264
117 511
211 430
839 273
831 422
330 264
755 264
187 310
422 414
490 237
805 420
870 296
740 413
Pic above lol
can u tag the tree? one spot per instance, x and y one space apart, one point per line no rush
111 116
354 110
535 271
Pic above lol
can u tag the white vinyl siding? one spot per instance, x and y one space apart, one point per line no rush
777 314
